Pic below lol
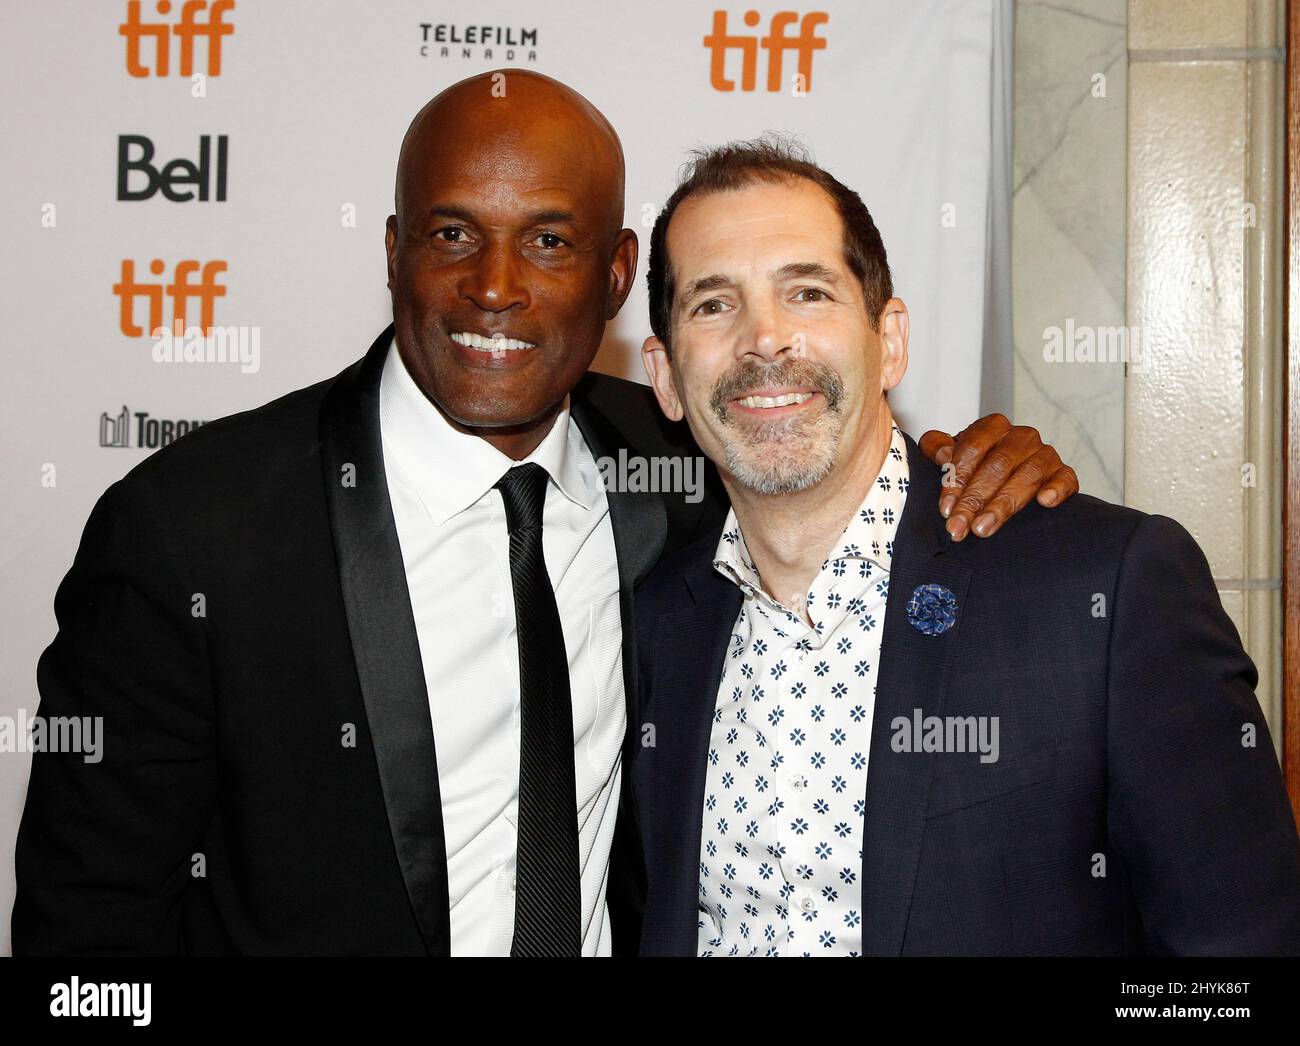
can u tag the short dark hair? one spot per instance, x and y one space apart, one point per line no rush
770 158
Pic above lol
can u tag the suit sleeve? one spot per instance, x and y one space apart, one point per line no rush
1197 811
106 841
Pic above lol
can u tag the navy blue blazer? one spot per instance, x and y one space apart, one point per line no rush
1126 735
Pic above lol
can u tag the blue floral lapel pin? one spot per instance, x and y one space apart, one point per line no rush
932 609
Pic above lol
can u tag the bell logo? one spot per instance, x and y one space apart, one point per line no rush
173 178
776 43
180 290
185 30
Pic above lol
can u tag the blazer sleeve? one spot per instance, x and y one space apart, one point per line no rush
107 838
1197 811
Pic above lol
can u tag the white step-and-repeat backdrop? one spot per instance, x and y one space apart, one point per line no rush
232 163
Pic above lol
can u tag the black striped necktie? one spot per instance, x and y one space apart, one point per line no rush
548 892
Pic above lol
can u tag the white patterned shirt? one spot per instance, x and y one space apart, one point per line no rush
785 792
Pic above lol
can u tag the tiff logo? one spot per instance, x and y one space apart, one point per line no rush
776 43
180 290
212 28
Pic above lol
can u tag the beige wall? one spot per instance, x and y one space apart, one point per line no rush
1204 415
1148 167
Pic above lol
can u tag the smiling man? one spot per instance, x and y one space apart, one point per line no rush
392 718
871 740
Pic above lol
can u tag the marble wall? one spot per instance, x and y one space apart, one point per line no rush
1068 227
1204 411
1146 245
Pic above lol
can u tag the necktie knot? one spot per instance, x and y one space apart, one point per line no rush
523 489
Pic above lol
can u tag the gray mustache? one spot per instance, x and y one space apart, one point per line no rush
748 377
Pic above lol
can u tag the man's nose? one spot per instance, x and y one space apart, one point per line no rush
493 280
766 335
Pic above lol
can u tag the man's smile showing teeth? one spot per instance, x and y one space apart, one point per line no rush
496 343
775 401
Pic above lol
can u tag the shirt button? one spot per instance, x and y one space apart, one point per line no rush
806 902
798 782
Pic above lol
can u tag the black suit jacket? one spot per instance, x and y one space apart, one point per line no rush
237 605
1120 735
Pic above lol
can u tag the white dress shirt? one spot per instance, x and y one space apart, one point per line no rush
785 789
456 549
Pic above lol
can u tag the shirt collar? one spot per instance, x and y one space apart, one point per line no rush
451 470
868 536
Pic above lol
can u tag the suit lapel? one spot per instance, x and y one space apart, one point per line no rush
384 641
640 526
639 520
690 654
914 672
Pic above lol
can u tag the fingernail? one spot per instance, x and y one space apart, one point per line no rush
984 524
946 505
1050 498
957 528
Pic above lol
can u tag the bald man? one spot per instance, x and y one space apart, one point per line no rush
277 615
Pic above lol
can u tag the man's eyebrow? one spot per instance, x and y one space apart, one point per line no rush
718 280
450 210
546 217
808 270
463 214
705 283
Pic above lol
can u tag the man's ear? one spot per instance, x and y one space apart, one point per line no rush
660 368
894 325
390 245
622 270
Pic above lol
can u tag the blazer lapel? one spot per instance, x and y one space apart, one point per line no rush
640 526
384 641
914 671
639 520
690 654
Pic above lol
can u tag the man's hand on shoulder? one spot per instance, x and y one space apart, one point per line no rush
992 470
